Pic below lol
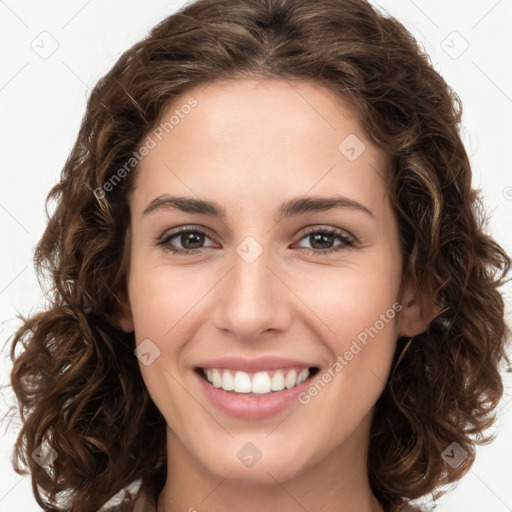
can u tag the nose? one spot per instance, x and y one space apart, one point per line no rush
253 298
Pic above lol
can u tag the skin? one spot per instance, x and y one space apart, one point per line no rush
249 145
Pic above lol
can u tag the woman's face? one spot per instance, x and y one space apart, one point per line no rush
269 283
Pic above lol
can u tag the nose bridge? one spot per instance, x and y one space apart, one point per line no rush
252 299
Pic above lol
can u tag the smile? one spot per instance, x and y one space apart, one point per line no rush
259 383
253 389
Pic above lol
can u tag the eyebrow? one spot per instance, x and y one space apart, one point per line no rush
293 207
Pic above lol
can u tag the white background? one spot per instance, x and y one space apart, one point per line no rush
43 100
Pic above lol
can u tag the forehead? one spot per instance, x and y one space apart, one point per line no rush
261 137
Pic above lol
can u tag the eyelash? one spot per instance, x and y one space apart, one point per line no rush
347 241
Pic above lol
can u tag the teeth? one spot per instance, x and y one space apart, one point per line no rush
290 379
260 382
216 378
277 381
303 375
242 383
228 383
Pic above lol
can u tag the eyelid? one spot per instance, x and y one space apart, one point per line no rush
304 231
313 228
173 232
187 227
349 242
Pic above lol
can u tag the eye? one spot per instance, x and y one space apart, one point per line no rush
321 240
190 239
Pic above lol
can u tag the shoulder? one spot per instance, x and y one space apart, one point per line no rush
408 507
127 505
132 503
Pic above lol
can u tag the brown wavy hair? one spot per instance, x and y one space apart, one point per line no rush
75 377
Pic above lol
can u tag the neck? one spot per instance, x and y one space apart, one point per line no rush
336 483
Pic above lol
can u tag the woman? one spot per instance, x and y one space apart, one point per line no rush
272 290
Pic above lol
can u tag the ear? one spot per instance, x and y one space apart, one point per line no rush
123 313
418 310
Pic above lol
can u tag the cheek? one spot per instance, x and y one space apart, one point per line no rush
166 308
359 305
160 298
162 307
350 299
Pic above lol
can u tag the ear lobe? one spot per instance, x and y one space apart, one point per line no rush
418 310
123 314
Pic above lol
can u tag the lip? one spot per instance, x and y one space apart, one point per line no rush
252 407
254 364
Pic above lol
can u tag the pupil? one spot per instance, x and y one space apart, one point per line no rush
318 237
196 240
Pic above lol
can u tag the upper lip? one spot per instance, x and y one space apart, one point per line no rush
253 364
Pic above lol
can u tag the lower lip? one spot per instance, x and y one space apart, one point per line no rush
252 407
